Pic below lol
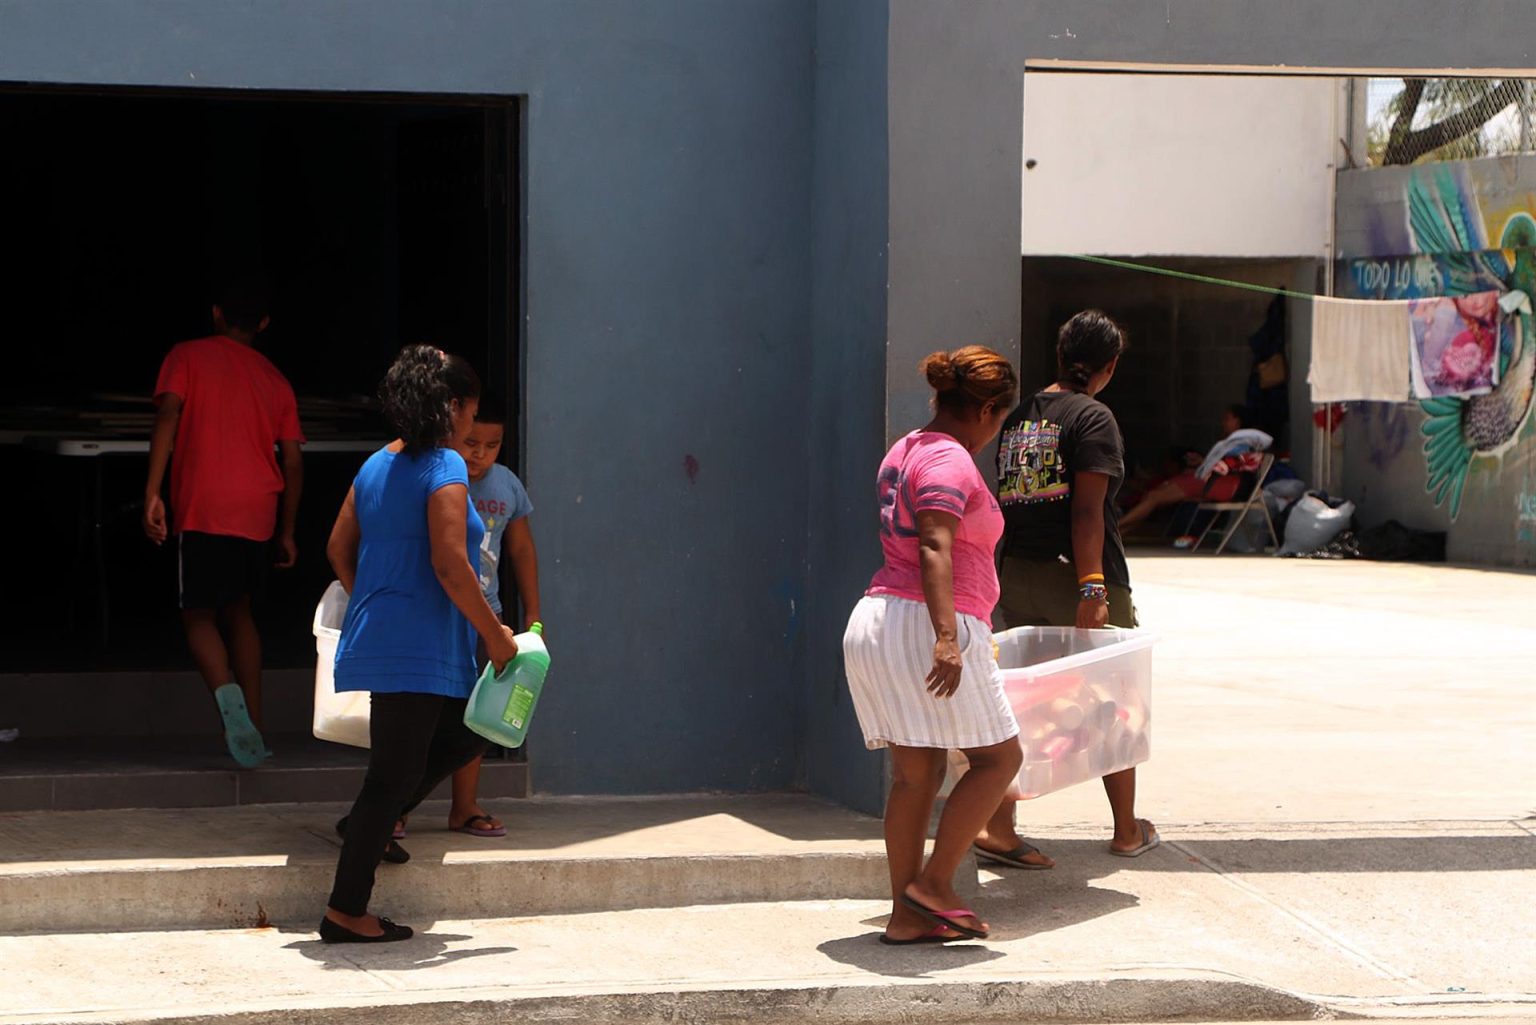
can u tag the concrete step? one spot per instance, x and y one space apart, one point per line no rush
250 867
85 774
763 964
1386 921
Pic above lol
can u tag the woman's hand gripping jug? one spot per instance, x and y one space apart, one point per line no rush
502 704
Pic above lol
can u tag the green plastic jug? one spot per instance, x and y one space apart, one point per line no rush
501 706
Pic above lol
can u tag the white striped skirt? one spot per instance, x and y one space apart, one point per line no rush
888 653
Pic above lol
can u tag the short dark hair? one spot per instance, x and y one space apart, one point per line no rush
244 300
1086 344
418 392
492 411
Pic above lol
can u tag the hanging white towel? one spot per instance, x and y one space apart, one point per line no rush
1359 350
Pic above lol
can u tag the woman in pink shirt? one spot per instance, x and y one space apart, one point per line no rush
918 647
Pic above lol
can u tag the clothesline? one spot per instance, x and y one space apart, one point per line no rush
1187 276
1394 350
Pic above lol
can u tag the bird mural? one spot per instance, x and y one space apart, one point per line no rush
1446 223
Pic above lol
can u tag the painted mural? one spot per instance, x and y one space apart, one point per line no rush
1452 247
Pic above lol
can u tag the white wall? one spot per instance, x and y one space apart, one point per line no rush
1178 165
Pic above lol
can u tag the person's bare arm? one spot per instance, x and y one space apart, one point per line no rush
167 416
447 512
517 542
1088 493
935 553
342 547
293 487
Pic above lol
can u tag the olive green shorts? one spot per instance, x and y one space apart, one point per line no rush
1044 592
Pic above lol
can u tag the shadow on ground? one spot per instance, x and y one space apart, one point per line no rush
1439 853
424 950
919 961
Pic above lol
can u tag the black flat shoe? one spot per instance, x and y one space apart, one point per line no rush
331 932
393 852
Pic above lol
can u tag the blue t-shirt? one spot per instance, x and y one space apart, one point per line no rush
500 499
402 632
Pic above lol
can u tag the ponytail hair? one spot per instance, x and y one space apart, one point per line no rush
970 378
418 392
1086 344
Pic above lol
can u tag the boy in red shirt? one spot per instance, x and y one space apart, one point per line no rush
225 410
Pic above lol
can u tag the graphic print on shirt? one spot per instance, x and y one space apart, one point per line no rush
899 502
1032 469
490 558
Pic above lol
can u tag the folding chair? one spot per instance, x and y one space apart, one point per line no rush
1238 510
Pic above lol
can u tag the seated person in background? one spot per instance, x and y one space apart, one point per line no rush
1194 485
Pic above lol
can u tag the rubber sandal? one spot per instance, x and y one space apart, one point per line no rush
934 935
393 852
240 734
1014 858
332 932
469 828
1149 840
948 919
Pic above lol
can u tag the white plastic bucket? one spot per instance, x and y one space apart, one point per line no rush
340 718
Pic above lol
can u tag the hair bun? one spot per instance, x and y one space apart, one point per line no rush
940 370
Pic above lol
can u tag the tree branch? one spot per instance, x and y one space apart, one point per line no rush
1404 147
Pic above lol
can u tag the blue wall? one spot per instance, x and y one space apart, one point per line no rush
847 438
667 272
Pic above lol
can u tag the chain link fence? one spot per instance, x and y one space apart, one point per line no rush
1414 120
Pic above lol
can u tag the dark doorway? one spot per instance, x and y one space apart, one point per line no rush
379 221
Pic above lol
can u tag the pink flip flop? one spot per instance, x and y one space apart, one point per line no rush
486 830
948 919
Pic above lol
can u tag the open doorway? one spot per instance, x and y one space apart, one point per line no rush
1196 210
378 221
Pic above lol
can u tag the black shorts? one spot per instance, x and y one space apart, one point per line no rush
217 570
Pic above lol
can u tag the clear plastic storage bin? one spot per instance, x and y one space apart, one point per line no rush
1083 699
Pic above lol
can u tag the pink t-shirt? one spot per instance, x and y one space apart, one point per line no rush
929 471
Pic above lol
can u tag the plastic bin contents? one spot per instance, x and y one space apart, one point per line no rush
339 718
1083 699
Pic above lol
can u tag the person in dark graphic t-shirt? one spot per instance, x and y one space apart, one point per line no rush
1060 464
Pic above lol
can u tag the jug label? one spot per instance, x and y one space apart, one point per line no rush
519 706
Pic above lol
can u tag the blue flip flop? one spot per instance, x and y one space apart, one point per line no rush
240 734
1149 840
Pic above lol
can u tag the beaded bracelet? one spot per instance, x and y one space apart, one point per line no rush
1094 592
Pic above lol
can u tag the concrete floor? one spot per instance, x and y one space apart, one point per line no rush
1344 770
1308 691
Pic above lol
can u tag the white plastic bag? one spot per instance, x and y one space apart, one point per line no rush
1313 524
340 718
1284 492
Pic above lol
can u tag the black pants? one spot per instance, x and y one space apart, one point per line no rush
417 741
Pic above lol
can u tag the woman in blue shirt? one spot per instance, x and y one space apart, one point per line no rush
406 546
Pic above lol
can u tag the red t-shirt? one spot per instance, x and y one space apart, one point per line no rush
235 407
